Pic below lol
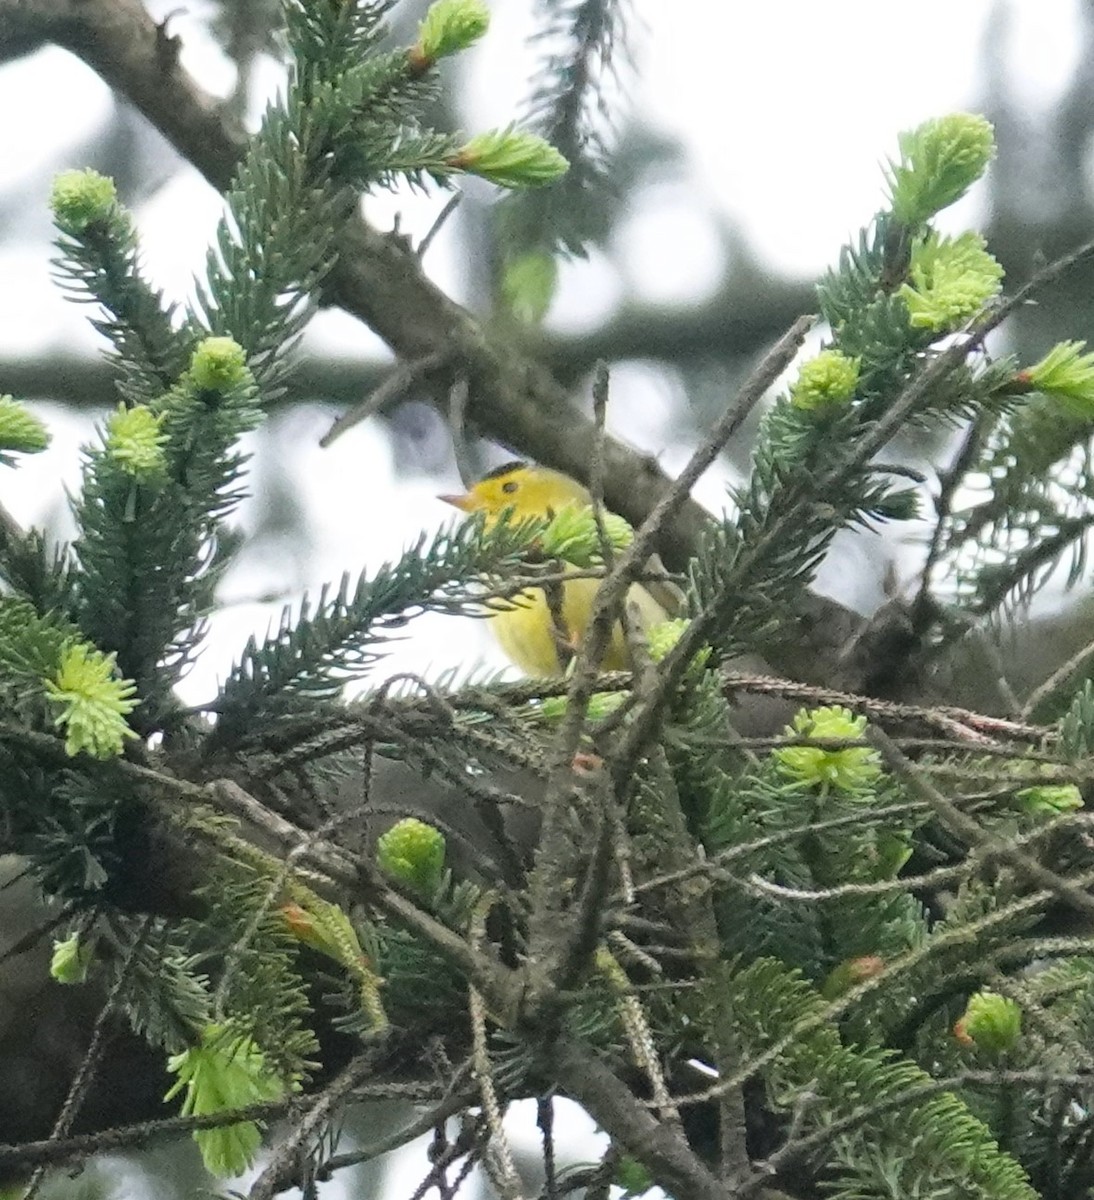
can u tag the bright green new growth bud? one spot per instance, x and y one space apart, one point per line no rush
951 279
218 364
601 705
135 440
850 770
939 162
662 638
825 382
572 535
71 959
413 852
449 27
228 1070
20 430
528 285
1067 375
1049 800
93 702
664 635
510 158
992 1022
82 198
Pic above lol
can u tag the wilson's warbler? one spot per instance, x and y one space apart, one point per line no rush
527 632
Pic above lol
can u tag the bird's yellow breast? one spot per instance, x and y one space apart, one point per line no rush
527 633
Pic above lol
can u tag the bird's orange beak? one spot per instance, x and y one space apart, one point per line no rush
465 503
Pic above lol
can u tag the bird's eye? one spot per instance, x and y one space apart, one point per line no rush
509 486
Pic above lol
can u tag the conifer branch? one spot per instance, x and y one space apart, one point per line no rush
615 1109
554 856
512 397
59 1152
569 108
968 828
280 1170
776 920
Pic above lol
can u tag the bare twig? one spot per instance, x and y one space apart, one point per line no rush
459 1095
60 1151
637 1028
661 1147
922 609
1055 682
278 1173
457 419
973 832
402 378
545 1119
84 1077
960 722
499 1159
647 713
547 920
450 206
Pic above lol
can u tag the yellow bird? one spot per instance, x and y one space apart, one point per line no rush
527 632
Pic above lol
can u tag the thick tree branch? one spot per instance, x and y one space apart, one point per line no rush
615 1109
140 59
741 321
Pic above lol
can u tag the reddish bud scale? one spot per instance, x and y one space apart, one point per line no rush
418 61
865 967
298 920
961 1033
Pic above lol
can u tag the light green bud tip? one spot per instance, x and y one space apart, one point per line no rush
228 1070
413 852
572 535
93 702
992 1022
218 364
135 440
511 158
1067 375
80 198
950 280
449 27
601 705
1049 800
70 961
939 162
825 382
852 769
662 638
20 430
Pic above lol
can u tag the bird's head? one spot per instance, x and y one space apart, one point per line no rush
528 490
